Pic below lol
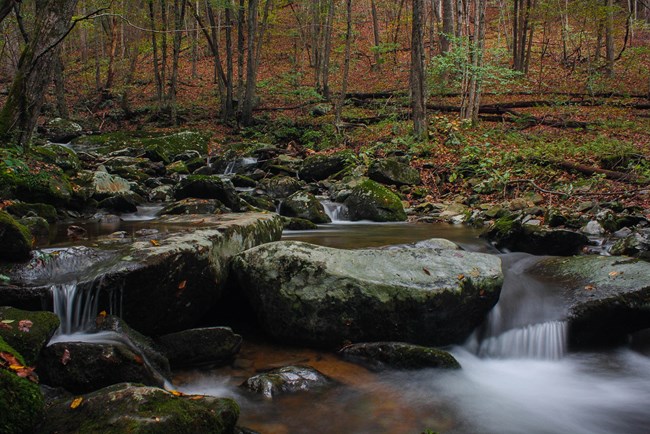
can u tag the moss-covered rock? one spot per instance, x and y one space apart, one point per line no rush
636 244
304 205
208 187
392 171
319 167
178 167
21 401
288 379
46 185
15 239
38 227
372 201
59 130
398 355
210 345
132 408
104 184
298 224
22 209
279 187
194 206
59 155
126 202
30 338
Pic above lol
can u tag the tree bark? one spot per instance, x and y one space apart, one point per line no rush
179 20
346 64
326 51
418 91
154 46
59 87
251 72
609 37
447 25
20 113
5 8
375 34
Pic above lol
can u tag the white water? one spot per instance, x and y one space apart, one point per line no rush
144 213
337 212
234 166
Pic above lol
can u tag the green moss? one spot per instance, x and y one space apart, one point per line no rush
178 167
29 343
21 209
60 156
16 240
371 200
21 401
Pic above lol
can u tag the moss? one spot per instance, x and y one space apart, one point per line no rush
16 240
178 167
29 343
60 156
21 401
371 200
21 209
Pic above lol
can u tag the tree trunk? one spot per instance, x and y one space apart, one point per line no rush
346 64
251 72
163 47
228 109
154 46
59 87
447 25
375 34
326 50
5 8
418 92
609 37
241 51
23 104
110 28
179 20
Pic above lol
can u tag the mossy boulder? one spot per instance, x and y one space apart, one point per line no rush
394 172
208 187
304 205
21 401
194 206
372 201
298 224
104 184
214 346
288 379
319 167
126 202
320 296
636 244
31 336
22 209
510 234
178 167
137 409
279 187
38 227
60 130
398 355
59 155
15 239
50 186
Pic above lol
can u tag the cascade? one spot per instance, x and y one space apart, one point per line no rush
337 212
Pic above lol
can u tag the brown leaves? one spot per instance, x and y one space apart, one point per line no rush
613 274
589 287
10 362
65 358
426 271
24 325
155 243
76 402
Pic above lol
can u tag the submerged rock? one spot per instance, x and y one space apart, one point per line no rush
608 297
324 297
289 379
398 355
304 205
210 345
134 408
372 201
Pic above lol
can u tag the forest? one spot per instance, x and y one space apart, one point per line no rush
287 216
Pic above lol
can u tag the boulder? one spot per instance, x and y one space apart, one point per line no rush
21 402
509 233
372 201
38 227
320 296
194 206
122 202
304 205
15 239
298 224
138 409
319 167
23 209
82 367
394 172
59 155
398 355
607 297
636 243
28 332
211 345
59 130
104 184
289 379
208 187
280 187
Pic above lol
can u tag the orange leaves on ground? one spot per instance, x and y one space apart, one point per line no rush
176 393
155 243
461 276
76 402
613 274
589 287
10 362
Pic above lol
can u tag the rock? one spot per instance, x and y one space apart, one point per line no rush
137 409
593 228
208 187
178 167
243 181
105 184
394 172
280 187
29 332
215 346
38 227
635 244
319 167
21 402
298 224
59 130
162 193
91 366
398 355
304 205
289 379
372 201
607 297
509 233
322 296
122 202
194 206
59 155
15 239
23 209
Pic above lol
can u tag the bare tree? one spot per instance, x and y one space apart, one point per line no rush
346 63
417 77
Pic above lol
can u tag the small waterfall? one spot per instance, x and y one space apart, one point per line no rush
235 166
546 341
144 213
337 212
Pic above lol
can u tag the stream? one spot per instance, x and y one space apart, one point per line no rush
517 376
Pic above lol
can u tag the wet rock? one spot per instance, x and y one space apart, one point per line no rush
122 203
179 168
38 227
259 202
323 296
194 206
280 187
243 181
398 355
23 209
593 228
635 244
392 171
298 224
208 187
82 367
319 167
607 297
289 379
15 239
162 193
509 233
304 205
21 402
105 184
215 346
135 409
59 155
372 201
28 332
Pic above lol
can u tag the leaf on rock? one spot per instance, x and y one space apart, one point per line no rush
590 288
76 402
426 271
182 284
24 325
155 243
65 358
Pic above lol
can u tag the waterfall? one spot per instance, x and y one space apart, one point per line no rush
235 165
337 212
536 341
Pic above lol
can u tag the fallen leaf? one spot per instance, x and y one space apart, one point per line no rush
426 271
613 273
103 314
155 243
8 321
139 360
24 325
76 402
182 284
461 276
65 358
590 288
196 397
176 393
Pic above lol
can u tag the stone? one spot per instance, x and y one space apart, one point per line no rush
319 167
214 346
194 206
372 201
304 205
279 187
122 202
24 209
59 130
593 228
104 184
208 187
289 379
29 332
298 224
398 355
138 409
59 155
394 172
320 296
38 227
15 239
